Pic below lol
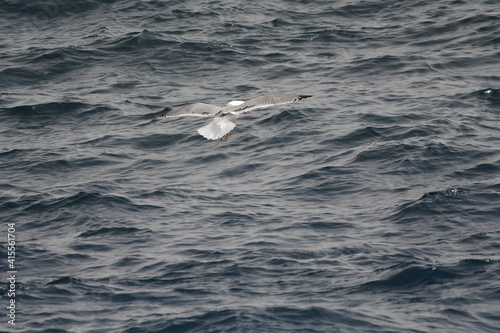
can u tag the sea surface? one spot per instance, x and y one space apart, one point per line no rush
373 206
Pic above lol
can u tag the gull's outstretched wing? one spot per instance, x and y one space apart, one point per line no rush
194 110
262 102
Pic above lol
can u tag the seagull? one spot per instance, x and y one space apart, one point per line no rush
224 117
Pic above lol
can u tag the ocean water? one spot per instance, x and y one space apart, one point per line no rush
373 206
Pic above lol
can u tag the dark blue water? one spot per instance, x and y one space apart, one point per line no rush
371 207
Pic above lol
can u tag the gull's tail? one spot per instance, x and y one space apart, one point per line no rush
219 127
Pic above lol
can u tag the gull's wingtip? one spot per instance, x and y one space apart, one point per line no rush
163 115
304 96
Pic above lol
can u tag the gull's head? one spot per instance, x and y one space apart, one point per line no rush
235 103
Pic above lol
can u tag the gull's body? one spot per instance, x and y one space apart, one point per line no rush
224 117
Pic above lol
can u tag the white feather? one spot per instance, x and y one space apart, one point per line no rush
235 103
217 128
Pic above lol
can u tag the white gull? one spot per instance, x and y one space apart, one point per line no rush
223 122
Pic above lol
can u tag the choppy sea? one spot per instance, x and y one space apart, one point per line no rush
373 206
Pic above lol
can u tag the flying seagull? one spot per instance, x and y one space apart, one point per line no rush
223 123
